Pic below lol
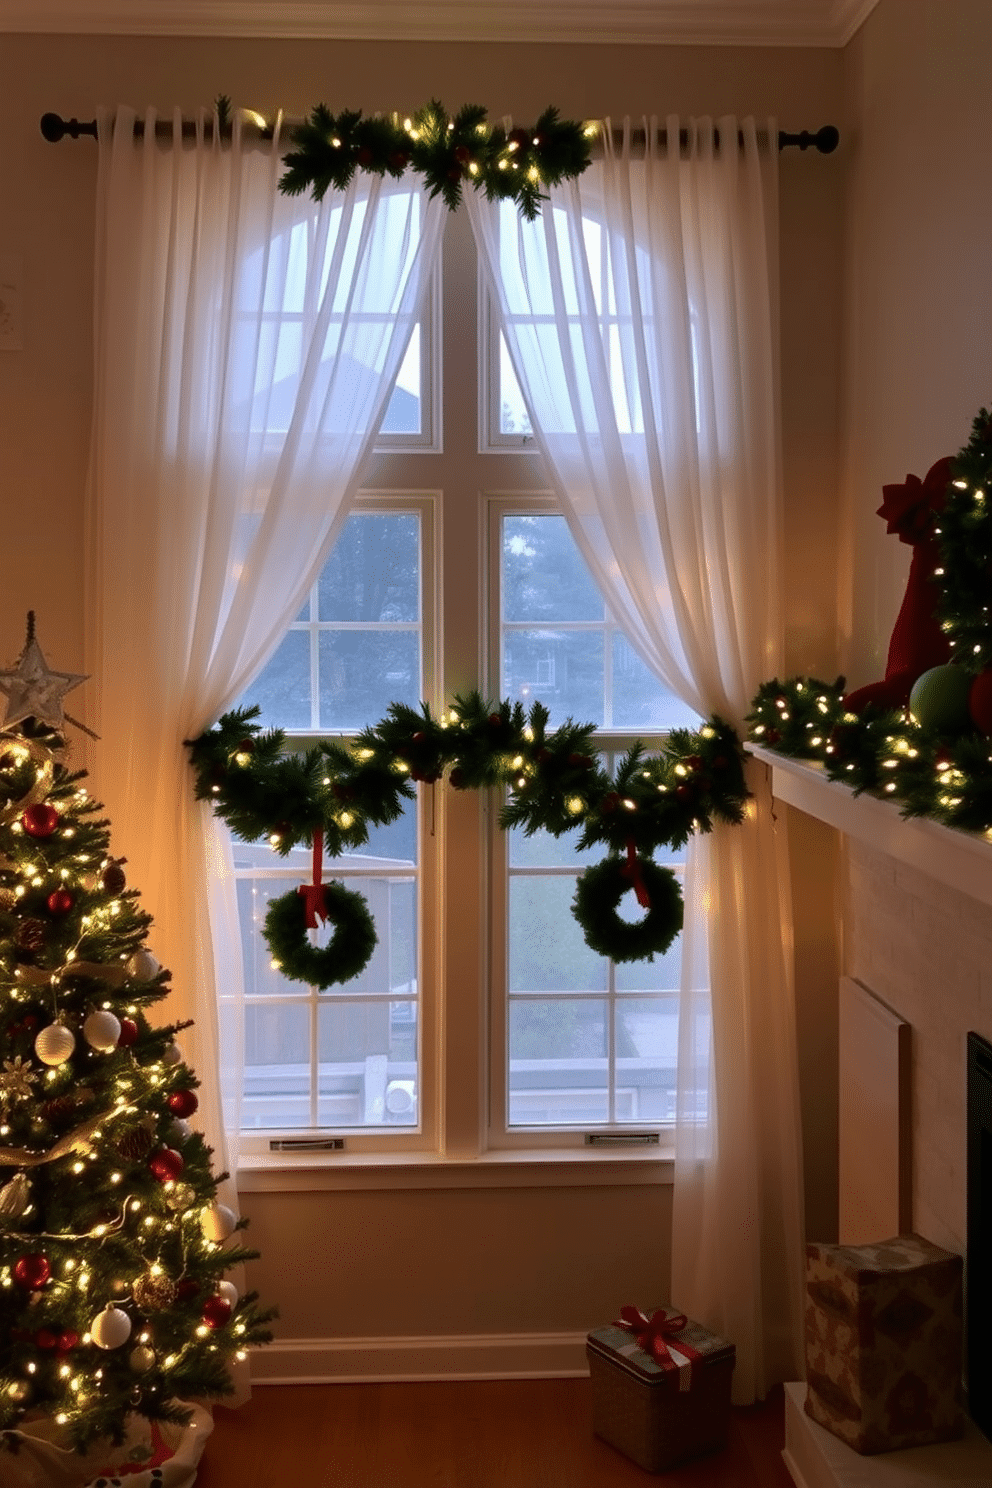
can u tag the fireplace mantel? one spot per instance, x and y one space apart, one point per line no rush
961 860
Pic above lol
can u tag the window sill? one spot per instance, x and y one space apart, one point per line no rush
530 1168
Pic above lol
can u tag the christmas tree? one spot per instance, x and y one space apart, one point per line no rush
113 1245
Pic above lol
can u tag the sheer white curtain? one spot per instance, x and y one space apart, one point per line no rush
640 313
246 345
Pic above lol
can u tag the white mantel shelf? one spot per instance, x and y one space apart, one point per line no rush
961 860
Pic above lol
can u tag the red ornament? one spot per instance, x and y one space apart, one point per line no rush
495 720
166 1163
67 1340
32 1271
186 1289
398 161
365 156
128 1034
182 1103
216 1312
46 1339
40 820
60 901
980 702
463 154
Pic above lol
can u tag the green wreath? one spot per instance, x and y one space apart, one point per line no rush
598 892
347 953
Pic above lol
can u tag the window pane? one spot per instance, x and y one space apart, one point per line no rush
362 672
373 572
513 415
277 1066
547 952
563 669
544 575
646 1034
640 701
368 1063
404 414
282 690
559 1070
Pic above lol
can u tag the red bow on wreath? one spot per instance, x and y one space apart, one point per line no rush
652 1332
632 870
313 894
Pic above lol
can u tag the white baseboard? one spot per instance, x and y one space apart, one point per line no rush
469 1356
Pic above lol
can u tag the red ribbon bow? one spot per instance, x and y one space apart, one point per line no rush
651 1332
632 870
313 894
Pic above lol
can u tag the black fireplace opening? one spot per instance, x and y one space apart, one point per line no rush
978 1304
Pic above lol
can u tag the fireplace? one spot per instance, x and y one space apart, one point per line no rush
978 1297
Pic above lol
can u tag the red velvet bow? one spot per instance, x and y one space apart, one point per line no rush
910 509
313 893
651 1332
632 870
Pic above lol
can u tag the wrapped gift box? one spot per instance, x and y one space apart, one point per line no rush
660 1405
884 1342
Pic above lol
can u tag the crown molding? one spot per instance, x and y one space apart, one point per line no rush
810 23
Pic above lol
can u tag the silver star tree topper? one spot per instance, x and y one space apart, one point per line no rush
33 690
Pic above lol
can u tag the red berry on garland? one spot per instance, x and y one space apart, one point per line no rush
32 1271
419 737
166 1163
609 803
580 761
182 1103
364 156
495 720
40 820
399 161
216 1312
463 154
60 901
128 1034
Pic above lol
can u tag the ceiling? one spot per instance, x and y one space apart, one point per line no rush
696 22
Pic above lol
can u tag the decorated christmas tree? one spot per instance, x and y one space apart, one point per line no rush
114 1249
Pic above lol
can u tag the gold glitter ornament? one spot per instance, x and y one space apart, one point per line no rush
154 1293
180 1197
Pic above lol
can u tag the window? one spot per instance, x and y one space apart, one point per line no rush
483 1020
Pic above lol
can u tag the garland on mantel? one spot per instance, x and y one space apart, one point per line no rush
935 769
446 151
331 794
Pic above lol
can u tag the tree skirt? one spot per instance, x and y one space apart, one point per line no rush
154 1455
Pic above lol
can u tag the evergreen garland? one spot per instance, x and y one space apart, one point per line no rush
446 151
553 780
887 751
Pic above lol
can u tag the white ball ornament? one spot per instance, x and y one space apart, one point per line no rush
228 1291
172 1054
180 1131
54 1044
218 1223
111 1328
102 1030
142 966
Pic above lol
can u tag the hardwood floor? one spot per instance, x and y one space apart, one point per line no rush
462 1434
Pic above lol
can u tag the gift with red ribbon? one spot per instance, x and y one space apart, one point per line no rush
654 1334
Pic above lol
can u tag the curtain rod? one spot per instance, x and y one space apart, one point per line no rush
825 140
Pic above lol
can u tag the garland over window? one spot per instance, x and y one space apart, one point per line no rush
331 794
446 152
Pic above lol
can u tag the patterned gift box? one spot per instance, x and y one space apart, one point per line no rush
884 1342
664 1403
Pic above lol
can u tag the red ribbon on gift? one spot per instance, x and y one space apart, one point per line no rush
632 870
652 1333
313 893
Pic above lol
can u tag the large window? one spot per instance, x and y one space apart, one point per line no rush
483 1020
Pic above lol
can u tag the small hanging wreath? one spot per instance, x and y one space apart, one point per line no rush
598 893
348 951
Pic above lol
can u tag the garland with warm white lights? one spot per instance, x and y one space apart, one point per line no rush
928 768
446 151
330 795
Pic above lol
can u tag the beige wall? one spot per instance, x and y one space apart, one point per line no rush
418 1261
